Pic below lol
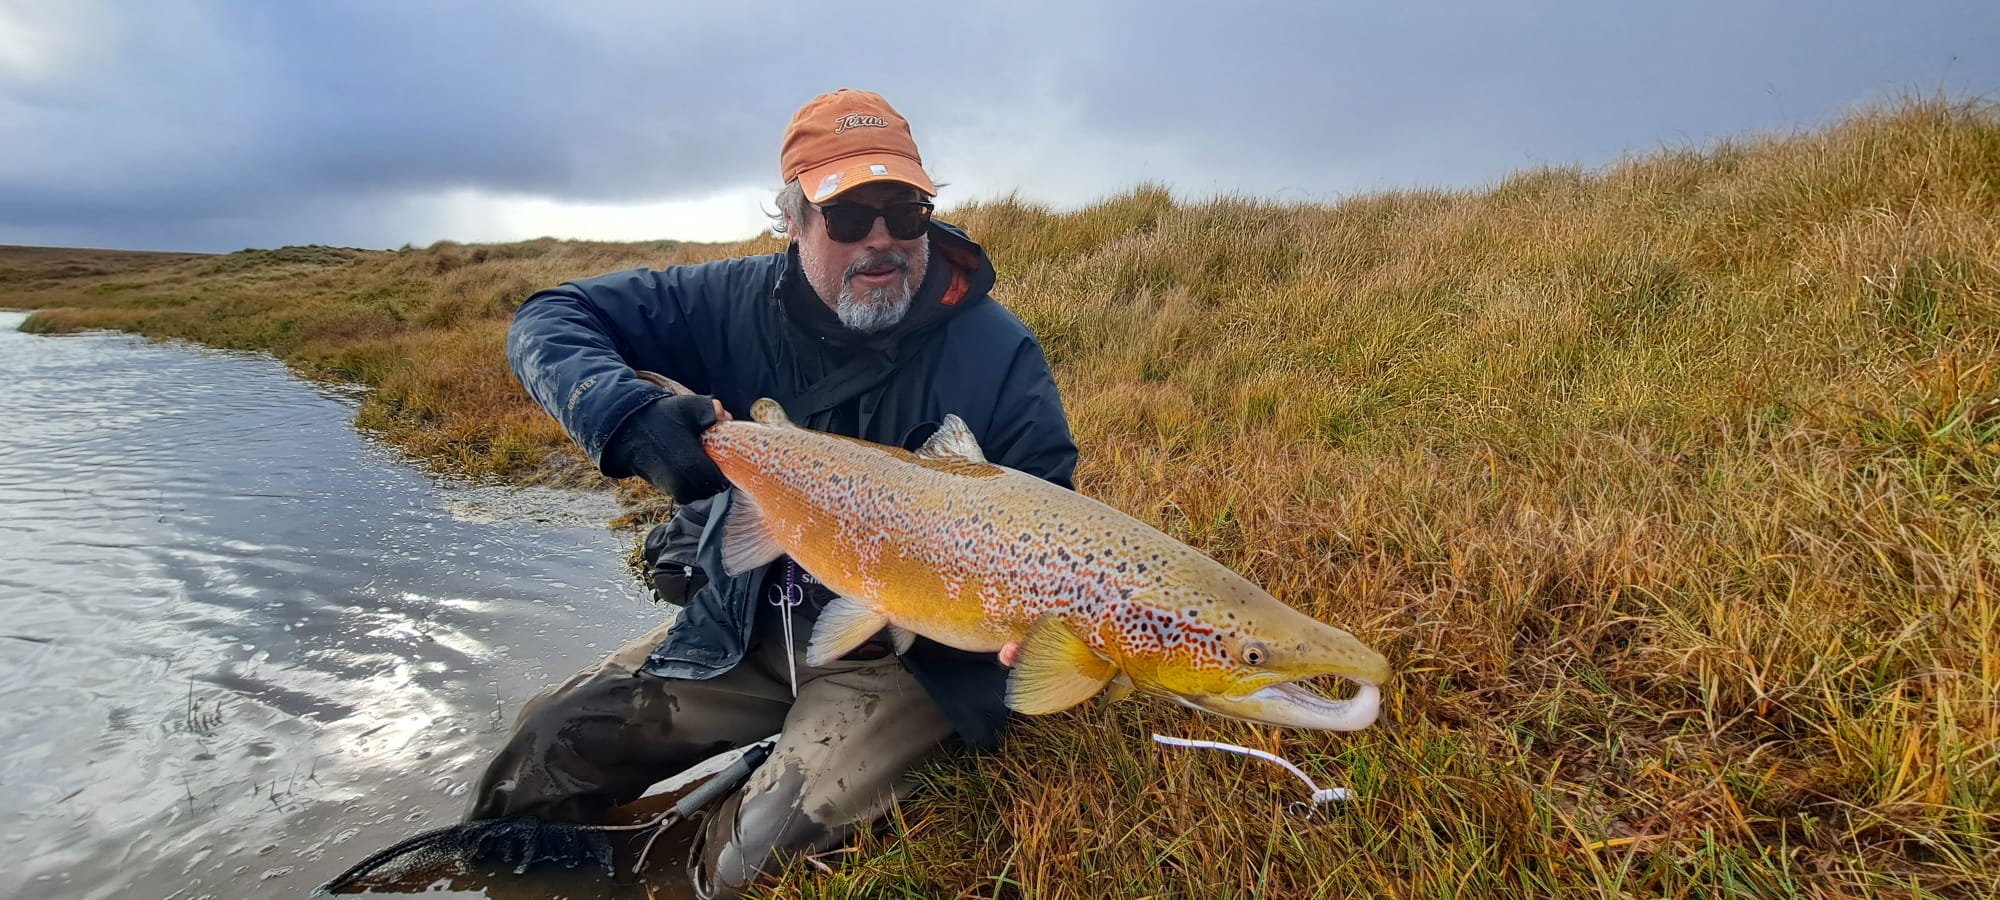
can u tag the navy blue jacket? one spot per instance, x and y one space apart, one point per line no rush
740 329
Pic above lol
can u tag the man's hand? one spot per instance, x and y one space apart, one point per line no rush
662 444
1010 654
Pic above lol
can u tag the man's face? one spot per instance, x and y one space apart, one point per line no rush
869 283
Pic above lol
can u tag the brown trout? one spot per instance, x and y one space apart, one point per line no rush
943 544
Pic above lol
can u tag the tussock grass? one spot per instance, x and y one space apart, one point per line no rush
1672 489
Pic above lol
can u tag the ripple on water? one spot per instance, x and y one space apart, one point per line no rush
244 647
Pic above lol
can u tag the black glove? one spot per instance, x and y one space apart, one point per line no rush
662 444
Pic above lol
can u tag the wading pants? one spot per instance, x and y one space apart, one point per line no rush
608 733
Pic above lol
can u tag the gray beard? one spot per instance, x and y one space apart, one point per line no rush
878 310
874 311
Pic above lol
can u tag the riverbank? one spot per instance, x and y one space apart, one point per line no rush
1669 489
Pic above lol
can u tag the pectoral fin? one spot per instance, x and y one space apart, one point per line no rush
747 542
1056 670
843 625
1121 688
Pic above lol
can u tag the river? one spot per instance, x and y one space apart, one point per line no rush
243 645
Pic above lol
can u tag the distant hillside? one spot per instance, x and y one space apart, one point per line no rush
1670 488
37 268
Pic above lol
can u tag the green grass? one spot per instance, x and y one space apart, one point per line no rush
1671 489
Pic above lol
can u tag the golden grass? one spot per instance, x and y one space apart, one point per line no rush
1671 489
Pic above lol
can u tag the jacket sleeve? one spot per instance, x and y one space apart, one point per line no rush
575 347
1030 430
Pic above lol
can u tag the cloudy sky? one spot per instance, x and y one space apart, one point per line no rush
223 124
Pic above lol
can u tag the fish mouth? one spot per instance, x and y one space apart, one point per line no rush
1293 705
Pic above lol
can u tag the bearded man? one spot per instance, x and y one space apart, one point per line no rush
874 322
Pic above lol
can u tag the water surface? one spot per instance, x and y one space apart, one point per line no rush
242 646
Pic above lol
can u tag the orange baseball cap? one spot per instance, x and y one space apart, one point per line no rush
847 138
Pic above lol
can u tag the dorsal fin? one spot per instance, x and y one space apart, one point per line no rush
952 441
767 411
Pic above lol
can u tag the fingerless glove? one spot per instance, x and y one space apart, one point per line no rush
662 444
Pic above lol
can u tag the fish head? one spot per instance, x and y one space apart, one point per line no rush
1247 655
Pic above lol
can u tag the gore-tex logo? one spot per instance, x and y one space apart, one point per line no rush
857 120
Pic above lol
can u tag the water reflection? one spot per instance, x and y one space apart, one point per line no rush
243 647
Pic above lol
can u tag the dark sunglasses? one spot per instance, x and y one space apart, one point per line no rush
850 222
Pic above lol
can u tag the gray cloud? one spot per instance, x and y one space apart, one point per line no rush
217 125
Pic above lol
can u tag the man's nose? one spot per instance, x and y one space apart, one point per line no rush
878 235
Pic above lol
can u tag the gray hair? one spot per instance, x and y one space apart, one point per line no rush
791 208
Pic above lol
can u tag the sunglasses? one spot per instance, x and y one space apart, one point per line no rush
850 222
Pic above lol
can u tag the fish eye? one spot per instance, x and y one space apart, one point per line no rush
1254 653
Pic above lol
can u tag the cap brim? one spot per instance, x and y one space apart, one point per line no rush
823 183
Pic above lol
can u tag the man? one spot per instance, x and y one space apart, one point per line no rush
874 322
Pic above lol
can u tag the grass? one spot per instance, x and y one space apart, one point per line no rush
1669 488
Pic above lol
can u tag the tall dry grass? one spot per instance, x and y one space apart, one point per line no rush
1671 489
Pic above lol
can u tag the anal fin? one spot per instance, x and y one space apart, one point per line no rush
843 625
1056 670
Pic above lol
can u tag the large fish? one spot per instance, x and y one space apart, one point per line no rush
944 544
